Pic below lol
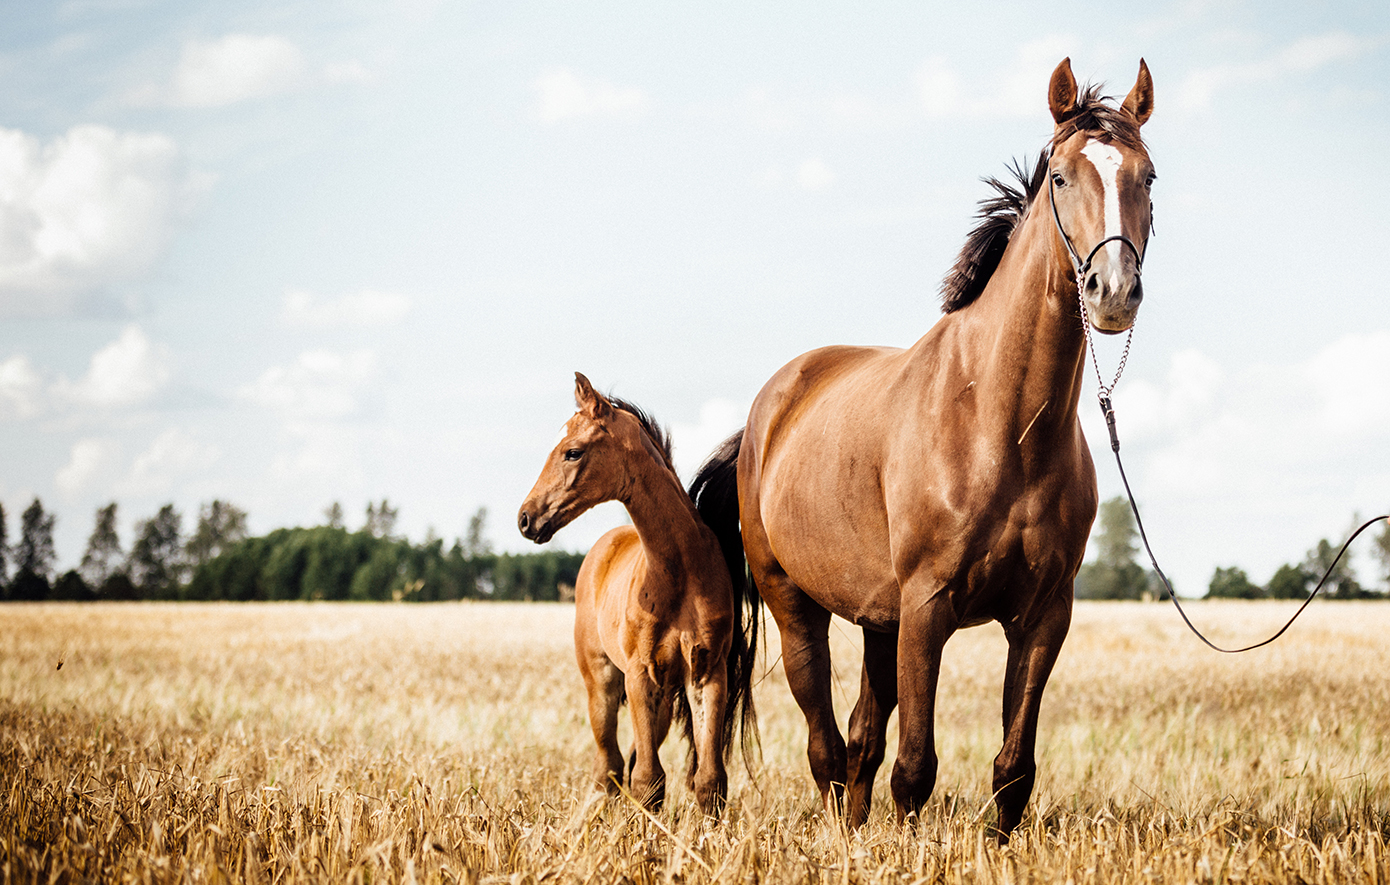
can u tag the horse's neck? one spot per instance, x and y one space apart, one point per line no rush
1028 338
661 511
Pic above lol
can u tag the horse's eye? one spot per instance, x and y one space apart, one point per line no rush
574 454
1058 180
1149 182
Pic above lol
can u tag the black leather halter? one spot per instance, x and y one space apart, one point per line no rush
1081 267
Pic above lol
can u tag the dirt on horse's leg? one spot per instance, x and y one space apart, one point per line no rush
710 780
1031 656
868 724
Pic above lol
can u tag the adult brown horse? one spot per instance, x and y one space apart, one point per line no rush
658 608
918 491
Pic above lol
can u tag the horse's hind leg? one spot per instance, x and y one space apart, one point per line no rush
804 627
709 695
868 724
1031 656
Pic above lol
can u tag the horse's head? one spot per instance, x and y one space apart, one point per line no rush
1099 180
588 466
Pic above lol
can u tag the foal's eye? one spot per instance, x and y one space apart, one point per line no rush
574 454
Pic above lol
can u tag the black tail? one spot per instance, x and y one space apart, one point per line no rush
715 493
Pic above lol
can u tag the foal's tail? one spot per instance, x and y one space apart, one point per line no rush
715 493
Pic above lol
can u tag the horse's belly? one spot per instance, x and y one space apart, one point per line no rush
837 557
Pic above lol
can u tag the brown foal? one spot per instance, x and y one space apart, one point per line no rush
658 612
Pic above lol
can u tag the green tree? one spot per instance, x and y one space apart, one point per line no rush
156 562
103 553
334 514
381 520
33 555
1380 550
1115 574
1233 583
1290 582
1341 580
4 553
219 526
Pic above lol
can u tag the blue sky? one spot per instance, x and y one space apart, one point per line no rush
286 254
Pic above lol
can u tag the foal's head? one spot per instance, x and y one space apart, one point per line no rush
593 462
1099 181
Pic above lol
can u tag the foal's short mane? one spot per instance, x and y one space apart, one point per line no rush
659 435
999 215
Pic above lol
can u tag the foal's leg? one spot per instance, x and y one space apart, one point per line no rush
650 705
868 724
709 693
604 683
922 633
1031 656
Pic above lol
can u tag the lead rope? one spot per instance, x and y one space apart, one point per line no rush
1109 411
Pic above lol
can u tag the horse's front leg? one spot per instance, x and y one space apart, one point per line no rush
868 724
926 625
1032 652
650 705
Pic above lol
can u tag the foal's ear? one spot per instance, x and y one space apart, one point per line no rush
1061 92
590 401
1140 101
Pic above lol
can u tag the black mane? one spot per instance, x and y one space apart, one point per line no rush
999 215
659 435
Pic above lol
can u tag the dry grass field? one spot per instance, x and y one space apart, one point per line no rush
441 743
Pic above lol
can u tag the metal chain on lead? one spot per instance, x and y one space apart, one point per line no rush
1104 390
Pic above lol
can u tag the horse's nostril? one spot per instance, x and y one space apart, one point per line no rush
523 521
1136 294
1092 282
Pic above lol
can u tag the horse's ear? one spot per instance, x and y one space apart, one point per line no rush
590 401
1061 92
1140 101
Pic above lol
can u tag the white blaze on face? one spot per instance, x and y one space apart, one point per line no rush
1107 160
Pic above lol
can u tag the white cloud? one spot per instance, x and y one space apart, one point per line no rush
173 454
1018 89
126 372
1201 87
90 208
692 443
235 68
88 459
319 384
563 95
814 174
21 388
368 308
1231 465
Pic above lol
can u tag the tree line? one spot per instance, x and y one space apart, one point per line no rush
1115 573
219 561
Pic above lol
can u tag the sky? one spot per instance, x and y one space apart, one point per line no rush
291 253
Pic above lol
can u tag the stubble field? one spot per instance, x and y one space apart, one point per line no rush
441 743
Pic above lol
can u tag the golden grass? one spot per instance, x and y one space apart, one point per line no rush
317 742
